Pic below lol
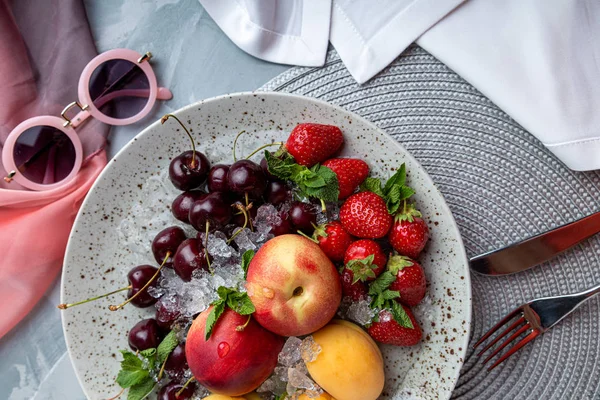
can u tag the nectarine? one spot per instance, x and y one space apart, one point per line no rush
231 362
294 287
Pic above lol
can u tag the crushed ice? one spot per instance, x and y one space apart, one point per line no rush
309 349
291 374
361 312
290 354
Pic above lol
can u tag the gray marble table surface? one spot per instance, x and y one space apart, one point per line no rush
195 60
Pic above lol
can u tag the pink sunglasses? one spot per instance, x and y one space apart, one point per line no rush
117 87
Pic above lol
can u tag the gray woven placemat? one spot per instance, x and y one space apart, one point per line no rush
502 186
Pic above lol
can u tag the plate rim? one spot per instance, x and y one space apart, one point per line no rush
444 205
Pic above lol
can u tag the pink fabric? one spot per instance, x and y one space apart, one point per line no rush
44 47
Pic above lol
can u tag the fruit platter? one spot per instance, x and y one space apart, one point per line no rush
265 246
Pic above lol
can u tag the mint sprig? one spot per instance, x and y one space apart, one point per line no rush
136 374
394 192
384 298
318 181
246 258
237 301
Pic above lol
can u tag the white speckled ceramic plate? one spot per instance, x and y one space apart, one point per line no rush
97 260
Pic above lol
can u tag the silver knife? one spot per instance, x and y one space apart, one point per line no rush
535 250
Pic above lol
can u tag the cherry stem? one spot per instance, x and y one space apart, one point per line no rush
308 237
264 146
243 210
323 208
64 306
165 118
206 246
248 205
162 369
235 144
240 328
192 379
115 308
118 395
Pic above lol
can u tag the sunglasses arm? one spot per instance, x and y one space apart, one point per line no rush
162 94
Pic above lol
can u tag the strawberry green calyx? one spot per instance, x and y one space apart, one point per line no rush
394 192
408 213
362 268
397 263
319 231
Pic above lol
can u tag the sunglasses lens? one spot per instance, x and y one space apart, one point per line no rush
119 88
44 155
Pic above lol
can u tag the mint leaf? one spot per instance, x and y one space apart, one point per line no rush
390 294
240 303
399 178
319 181
382 282
406 192
132 371
215 313
400 316
282 167
223 292
148 352
127 379
166 347
328 191
246 258
372 185
282 396
141 390
130 362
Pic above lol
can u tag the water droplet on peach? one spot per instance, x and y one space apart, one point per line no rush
223 349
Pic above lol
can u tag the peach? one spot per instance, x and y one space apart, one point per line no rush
293 285
231 362
350 365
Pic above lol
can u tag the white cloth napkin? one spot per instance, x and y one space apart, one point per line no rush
538 60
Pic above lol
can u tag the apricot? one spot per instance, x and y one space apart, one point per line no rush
324 396
252 396
350 365
221 397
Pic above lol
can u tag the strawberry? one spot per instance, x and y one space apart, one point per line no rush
388 331
354 290
365 215
410 280
409 234
310 144
351 172
333 240
365 259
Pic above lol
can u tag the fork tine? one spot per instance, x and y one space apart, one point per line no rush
497 326
507 341
500 336
516 348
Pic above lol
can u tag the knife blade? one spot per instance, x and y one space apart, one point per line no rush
535 250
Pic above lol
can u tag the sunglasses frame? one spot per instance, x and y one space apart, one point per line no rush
87 109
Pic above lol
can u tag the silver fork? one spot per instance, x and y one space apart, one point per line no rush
536 317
